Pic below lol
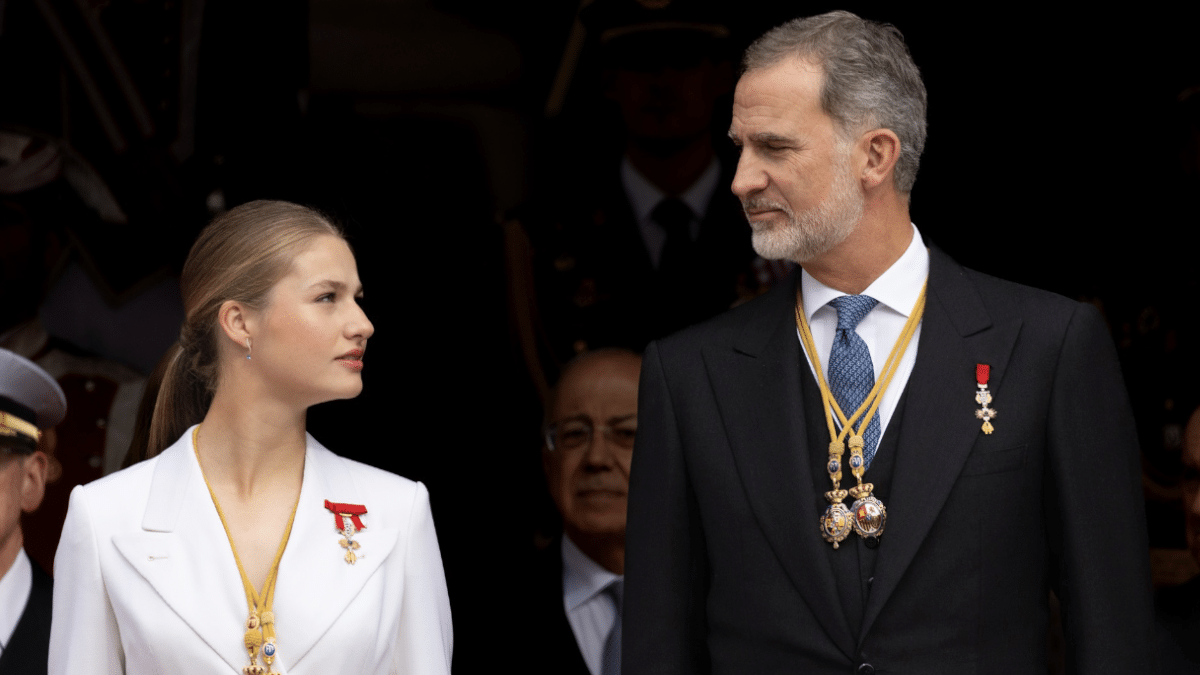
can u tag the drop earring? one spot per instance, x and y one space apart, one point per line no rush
248 350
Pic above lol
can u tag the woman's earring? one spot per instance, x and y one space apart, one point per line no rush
248 350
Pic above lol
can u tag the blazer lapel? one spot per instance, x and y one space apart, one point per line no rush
758 385
939 426
184 554
316 584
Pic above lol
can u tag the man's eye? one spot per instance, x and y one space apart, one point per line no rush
624 436
574 434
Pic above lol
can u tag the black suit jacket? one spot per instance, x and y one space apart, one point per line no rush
1178 623
29 647
726 571
552 646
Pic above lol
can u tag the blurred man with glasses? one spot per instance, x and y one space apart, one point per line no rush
591 423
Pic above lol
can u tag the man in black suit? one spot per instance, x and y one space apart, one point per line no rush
745 553
640 238
591 426
30 401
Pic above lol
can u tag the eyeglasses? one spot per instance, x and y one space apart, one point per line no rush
577 432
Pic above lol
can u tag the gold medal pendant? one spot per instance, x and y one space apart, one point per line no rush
870 516
869 513
837 521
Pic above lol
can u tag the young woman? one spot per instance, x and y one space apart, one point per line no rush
246 546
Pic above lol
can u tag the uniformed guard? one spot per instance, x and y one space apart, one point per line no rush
31 403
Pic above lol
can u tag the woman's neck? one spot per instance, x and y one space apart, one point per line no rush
249 445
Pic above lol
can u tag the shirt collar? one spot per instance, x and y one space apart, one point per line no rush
583 578
897 288
644 195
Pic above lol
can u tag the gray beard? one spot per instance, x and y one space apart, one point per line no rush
814 232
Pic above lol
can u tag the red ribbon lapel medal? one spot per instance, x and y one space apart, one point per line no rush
984 397
346 521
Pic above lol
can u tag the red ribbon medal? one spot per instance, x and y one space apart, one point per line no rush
346 521
352 510
984 397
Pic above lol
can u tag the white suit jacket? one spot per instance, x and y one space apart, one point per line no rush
145 580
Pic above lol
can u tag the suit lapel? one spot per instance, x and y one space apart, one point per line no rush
758 384
184 554
316 584
939 426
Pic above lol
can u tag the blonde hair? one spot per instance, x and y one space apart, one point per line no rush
239 256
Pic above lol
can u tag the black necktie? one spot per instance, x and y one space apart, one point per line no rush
676 218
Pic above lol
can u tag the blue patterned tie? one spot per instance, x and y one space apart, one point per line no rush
610 662
851 374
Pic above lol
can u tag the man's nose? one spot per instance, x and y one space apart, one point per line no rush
749 178
600 450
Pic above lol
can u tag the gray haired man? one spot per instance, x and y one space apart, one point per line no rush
887 464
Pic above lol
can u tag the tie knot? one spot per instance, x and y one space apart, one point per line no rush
674 216
851 309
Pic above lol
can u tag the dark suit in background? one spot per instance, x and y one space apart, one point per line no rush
552 646
1178 623
597 285
30 642
726 569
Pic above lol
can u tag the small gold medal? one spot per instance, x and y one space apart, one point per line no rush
347 523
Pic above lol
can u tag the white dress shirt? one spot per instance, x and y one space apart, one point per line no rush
590 611
644 196
896 290
15 586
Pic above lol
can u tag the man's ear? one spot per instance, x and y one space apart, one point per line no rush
33 480
880 149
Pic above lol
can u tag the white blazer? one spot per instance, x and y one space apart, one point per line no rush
145 580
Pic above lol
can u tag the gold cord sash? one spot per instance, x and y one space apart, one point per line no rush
260 626
867 516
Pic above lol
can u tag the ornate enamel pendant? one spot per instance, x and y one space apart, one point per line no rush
268 652
870 516
984 397
346 521
836 522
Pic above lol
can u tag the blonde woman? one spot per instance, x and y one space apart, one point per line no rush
243 545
